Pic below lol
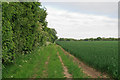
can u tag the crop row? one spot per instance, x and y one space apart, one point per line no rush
101 55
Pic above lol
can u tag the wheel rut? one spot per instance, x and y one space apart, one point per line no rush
45 74
44 71
86 69
66 73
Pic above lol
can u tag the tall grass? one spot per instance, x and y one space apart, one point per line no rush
33 65
72 67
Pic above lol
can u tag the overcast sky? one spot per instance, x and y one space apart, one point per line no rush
83 19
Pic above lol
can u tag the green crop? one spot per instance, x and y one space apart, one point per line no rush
101 55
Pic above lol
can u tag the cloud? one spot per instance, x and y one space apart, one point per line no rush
109 9
78 25
78 0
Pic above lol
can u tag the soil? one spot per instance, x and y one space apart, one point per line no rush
36 69
86 69
67 75
45 74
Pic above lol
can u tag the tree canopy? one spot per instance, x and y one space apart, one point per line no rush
24 27
89 39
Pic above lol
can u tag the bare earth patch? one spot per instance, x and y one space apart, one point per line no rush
45 74
36 69
86 69
67 75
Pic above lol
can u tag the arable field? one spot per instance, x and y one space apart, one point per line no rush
101 55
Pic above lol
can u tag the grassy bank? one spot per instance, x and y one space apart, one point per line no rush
72 67
42 63
33 65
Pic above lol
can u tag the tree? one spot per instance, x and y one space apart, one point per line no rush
99 38
24 27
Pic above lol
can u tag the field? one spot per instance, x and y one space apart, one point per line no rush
44 62
53 61
101 55
33 49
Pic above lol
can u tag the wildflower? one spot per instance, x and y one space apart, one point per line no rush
20 66
25 60
11 76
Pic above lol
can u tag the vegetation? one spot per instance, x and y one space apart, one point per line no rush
72 67
89 39
28 50
102 55
37 65
24 36
24 28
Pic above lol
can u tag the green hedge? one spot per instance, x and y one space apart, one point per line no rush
24 28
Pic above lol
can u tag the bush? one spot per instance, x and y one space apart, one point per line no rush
23 29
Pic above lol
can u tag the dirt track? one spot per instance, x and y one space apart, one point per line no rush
86 69
67 75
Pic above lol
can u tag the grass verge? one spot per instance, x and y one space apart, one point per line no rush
72 67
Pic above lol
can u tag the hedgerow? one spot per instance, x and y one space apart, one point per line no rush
24 27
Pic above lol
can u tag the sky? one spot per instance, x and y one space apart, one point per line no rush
80 20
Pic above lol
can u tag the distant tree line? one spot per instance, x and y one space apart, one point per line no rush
24 28
66 39
89 39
